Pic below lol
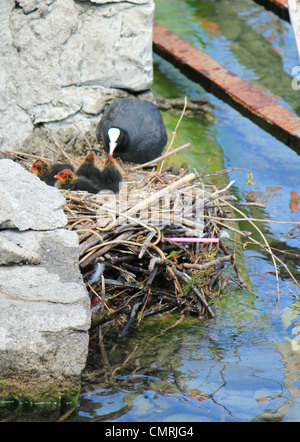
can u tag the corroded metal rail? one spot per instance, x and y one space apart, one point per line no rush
288 10
279 7
249 101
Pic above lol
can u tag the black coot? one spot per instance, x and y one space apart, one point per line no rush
133 130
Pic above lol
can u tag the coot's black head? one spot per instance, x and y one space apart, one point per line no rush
118 140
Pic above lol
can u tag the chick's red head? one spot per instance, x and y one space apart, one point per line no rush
38 167
65 175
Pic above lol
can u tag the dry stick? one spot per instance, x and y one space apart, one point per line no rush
265 241
117 241
67 414
174 133
146 243
124 215
98 252
103 351
186 279
253 241
208 264
233 229
162 157
217 192
156 195
225 250
252 219
52 150
227 277
12 152
168 268
221 172
59 147
87 141
119 367
89 231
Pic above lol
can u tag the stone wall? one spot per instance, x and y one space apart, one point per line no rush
44 304
63 60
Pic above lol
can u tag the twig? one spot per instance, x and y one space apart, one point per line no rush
174 133
160 193
162 157
87 141
185 278
119 367
67 414
266 243
29 155
209 264
59 147
225 250
103 351
146 244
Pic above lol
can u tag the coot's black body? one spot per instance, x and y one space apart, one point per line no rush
143 135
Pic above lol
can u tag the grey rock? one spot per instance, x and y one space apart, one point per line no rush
11 253
62 60
26 201
56 279
44 312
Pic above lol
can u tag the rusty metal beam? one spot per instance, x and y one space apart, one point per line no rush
279 7
249 101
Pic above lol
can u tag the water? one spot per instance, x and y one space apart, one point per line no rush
245 364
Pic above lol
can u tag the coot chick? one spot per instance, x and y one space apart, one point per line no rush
46 172
111 176
108 178
132 130
66 179
89 169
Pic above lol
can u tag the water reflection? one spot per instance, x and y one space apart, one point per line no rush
221 370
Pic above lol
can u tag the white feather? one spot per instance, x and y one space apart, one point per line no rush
96 275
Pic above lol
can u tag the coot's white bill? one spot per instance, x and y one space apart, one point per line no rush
113 135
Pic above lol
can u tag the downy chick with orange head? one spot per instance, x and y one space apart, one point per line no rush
46 172
108 177
111 174
89 169
67 179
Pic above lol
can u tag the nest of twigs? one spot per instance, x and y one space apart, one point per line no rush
134 237
158 253
156 242
155 247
